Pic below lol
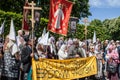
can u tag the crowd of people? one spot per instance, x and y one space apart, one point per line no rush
16 65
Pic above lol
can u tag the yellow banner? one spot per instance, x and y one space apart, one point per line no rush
49 69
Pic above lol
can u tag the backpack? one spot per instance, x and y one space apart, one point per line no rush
112 67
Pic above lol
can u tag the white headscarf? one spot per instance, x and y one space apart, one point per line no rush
62 54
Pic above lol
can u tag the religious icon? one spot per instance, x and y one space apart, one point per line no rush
37 16
73 26
59 16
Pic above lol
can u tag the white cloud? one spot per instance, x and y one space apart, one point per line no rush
95 3
113 3
104 3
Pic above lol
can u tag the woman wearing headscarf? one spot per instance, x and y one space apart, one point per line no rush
112 58
62 53
11 63
40 51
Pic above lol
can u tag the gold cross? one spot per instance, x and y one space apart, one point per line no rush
85 21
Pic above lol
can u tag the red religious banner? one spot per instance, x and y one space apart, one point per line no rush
59 16
25 25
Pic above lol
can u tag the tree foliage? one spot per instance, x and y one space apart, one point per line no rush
80 8
110 28
12 5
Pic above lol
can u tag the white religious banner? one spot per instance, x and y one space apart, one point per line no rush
12 35
44 39
94 37
2 28
43 34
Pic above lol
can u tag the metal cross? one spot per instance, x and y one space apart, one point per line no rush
85 21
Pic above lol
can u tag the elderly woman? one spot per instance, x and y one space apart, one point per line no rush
11 64
40 51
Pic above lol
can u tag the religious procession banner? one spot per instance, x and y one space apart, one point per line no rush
48 69
59 15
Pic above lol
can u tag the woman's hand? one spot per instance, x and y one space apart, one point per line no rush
1 56
32 55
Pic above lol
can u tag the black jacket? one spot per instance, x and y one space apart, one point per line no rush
26 58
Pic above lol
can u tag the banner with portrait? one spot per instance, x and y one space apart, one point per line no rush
59 15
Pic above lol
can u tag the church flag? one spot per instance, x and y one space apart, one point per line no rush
12 35
25 25
2 28
43 34
44 39
94 37
59 15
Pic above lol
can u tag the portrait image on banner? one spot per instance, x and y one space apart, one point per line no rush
73 26
59 16
25 22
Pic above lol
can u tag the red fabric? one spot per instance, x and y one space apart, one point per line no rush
25 25
66 9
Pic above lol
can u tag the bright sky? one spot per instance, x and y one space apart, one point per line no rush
104 9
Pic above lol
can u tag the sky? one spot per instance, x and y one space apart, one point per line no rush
104 9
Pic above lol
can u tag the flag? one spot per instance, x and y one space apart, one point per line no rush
2 28
15 49
25 25
44 32
59 15
12 35
94 37
44 39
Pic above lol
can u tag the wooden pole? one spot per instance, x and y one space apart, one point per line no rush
85 21
32 8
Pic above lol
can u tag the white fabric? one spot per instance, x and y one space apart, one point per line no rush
2 28
62 54
12 35
94 37
44 39
83 52
13 46
15 49
60 16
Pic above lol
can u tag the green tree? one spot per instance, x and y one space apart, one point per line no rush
80 8
112 27
12 5
96 23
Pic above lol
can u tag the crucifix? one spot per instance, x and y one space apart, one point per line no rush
85 21
32 8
